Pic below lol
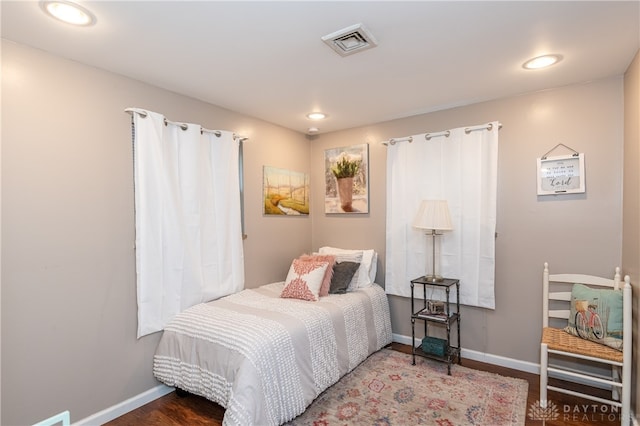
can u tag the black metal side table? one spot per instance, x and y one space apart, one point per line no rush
446 319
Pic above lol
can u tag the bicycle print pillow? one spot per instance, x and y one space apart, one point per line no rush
596 315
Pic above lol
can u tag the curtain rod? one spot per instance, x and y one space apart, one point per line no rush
393 141
488 126
183 126
445 133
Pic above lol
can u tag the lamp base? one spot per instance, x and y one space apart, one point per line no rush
433 278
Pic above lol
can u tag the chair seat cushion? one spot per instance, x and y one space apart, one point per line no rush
558 339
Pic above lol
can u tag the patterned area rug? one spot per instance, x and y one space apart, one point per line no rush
387 390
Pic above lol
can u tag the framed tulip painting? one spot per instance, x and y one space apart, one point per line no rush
347 179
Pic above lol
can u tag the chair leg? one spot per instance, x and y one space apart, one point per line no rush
544 364
626 394
615 375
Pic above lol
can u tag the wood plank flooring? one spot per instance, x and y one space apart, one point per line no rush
191 410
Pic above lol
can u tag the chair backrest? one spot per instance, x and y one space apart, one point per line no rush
554 304
565 296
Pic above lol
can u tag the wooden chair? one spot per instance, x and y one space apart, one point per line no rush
557 342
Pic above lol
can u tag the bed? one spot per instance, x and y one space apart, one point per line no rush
265 358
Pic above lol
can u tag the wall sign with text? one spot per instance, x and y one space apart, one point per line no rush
561 175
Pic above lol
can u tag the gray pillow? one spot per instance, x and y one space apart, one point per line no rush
342 274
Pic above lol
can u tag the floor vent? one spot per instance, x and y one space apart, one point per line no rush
350 40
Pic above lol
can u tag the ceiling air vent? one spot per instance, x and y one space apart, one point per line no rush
350 40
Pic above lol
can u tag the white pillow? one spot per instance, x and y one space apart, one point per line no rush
373 269
354 256
366 274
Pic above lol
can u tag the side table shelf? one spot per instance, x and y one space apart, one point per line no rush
447 319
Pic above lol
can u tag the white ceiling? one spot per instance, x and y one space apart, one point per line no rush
266 59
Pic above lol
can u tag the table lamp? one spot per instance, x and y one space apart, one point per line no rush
433 216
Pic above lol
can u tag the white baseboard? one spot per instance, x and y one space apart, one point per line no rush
502 361
515 364
138 401
124 407
529 367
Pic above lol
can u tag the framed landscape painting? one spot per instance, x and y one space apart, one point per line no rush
285 192
347 179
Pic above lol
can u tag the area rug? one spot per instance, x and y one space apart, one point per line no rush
387 390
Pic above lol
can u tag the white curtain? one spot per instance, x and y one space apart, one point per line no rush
462 169
188 225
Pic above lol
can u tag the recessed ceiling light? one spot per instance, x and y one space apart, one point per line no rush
316 116
541 62
68 12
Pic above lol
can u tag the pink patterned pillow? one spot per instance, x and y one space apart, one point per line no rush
304 279
326 281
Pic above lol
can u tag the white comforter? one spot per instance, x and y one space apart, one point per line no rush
264 358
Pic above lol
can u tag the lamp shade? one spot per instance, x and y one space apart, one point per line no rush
433 214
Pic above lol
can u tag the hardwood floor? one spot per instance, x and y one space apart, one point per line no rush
191 410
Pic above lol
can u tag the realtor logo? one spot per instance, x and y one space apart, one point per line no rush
538 411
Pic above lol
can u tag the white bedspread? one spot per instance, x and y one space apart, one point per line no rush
264 358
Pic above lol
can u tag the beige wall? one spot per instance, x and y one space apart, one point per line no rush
68 265
631 206
579 232
68 273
